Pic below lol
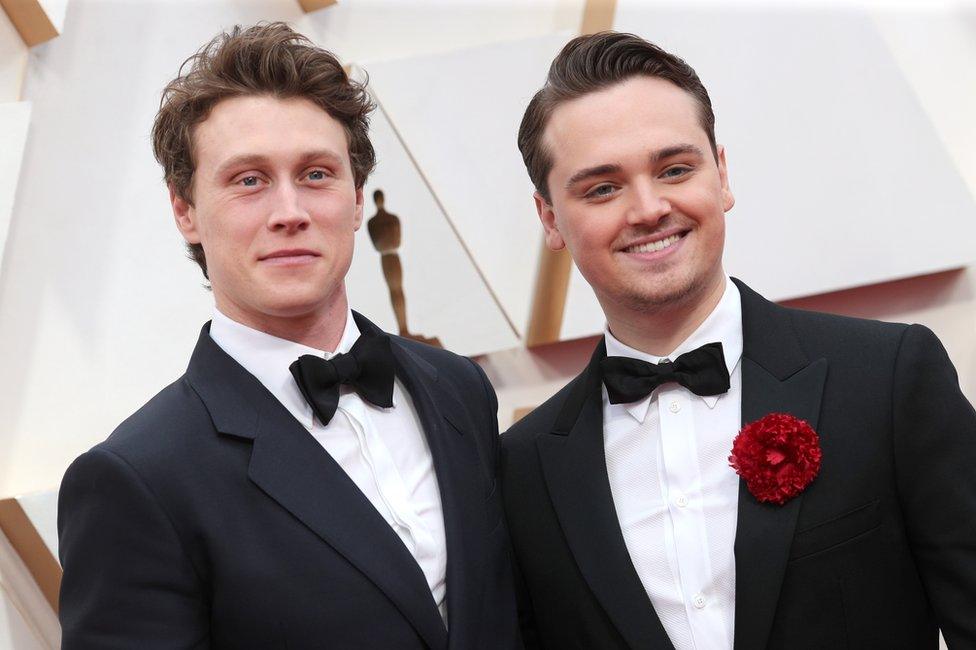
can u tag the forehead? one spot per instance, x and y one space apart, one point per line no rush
265 125
640 114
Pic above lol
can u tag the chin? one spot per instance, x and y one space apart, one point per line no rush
657 295
294 305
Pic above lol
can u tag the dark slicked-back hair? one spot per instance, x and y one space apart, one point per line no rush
591 63
266 59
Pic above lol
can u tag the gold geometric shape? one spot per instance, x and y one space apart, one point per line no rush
598 16
31 21
29 545
555 267
549 297
521 412
309 6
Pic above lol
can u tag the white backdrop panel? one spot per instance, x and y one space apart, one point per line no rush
445 297
459 114
840 178
14 121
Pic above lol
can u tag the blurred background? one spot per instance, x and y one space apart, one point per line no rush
851 153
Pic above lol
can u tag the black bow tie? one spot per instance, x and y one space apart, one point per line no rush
701 371
368 367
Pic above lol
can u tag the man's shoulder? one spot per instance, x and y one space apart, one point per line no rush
824 333
162 426
439 359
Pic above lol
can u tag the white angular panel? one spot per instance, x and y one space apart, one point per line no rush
14 120
840 177
445 297
458 114
13 60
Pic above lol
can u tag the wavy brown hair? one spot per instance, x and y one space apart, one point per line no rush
265 59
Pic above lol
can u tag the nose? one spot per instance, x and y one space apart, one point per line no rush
648 204
288 213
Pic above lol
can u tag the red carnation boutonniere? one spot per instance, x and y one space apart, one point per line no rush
778 456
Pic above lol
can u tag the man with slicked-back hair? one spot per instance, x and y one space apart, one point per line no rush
725 473
311 481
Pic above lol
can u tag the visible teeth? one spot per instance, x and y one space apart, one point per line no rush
650 247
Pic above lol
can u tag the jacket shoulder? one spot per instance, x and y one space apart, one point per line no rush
830 335
168 423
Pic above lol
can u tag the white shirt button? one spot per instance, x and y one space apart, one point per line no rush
681 501
698 601
674 407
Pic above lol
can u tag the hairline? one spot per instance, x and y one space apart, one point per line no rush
557 99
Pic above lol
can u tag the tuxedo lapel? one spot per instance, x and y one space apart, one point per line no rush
462 493
444 420
575 470
292 468
777 377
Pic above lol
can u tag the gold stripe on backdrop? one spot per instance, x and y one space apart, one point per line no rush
555 267
30 20
27 542
314 5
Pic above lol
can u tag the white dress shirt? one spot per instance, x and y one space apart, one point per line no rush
675 494
383 450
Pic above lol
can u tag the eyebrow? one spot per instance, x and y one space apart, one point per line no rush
613 168
676 150
590 172
246 159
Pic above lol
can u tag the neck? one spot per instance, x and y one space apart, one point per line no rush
660 331
321 329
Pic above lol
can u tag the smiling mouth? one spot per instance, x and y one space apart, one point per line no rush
654 246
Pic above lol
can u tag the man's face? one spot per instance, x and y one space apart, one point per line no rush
637 195
275 207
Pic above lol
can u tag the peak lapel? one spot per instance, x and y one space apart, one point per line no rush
444 420
292 468
777 377
575 470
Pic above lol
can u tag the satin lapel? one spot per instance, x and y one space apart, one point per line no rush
291 467
575 470
461 484
777 377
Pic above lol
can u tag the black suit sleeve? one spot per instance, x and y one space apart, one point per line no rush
127 581
935 457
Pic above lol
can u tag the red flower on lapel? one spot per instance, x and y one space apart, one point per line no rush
778 456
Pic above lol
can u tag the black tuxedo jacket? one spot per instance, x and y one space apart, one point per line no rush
878 552
212 519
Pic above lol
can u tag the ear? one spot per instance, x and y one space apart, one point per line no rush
358 218
723 172
547 216
185 216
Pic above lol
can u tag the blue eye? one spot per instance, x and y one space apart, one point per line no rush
675 172
249 181
600 191
316 175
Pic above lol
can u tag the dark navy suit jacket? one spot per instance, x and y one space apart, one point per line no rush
212 519
878 552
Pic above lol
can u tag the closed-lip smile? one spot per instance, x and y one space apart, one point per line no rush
289 256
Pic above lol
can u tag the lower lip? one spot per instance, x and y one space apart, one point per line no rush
653 256
290 260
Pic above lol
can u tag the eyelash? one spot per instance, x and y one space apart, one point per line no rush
666 175
595 194
325 175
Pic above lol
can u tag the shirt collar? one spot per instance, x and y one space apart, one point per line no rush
724 325
268 357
